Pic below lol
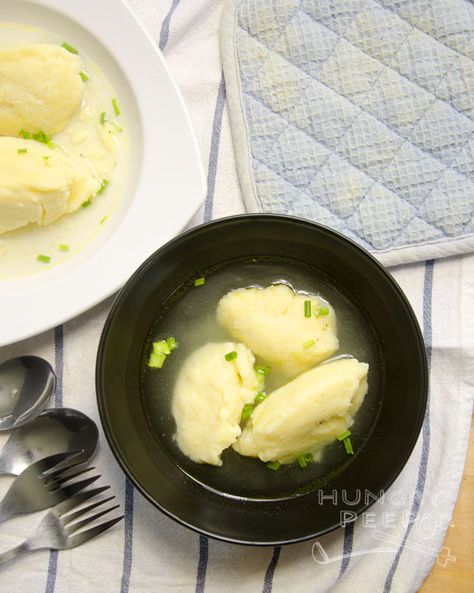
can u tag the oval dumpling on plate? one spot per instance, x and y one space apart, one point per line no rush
40 88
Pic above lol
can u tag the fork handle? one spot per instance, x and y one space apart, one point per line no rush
14 552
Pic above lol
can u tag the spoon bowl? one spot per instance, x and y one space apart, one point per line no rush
26 385
58 430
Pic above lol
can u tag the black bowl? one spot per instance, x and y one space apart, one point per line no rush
195 498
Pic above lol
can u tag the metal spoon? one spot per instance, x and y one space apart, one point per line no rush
54 431
26 385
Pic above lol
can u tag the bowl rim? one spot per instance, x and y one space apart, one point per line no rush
129 286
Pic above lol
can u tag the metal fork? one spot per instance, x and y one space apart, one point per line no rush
57 531
44 484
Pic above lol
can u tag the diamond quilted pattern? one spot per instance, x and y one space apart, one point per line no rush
360 115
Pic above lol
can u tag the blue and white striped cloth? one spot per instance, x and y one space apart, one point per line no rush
390 549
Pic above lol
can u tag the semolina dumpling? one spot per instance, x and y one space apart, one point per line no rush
208 398
40 88
305 414
271 322
38 184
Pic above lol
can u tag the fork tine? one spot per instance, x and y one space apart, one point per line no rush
59 461
76 500
85 536
56 483
70 517
63 468
70 529
76 487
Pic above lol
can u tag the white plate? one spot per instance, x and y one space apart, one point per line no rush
166 181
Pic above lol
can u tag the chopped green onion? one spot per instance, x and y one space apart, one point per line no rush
307 308
261 395
22 150
262 369
161 347
43 258
84 75
103 184
344 435
43 138
86 203
119 128
231 355
309 457
348 446
70 48
246 412
115 106
321 311
103 117
24 134
46 159
199 281
63 247
309 343
302 461
157 360
103 219
172 343
274 465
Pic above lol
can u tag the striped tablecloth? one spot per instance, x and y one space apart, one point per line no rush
148 551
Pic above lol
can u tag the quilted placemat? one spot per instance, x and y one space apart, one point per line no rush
358 115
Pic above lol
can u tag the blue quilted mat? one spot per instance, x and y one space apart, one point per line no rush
358 114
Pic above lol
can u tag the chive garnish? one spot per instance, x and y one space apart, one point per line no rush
274 465
44 138
84 75
45 259
321 311
156 360
261 395
103 219
103 184
46 159
262 369
161 347
103 117
22 150
246 413
199 281
344 435
309 343
70 48
86 203
231 355
119 128
348 446
115 106
307 308
24 134
172 343
302 461
63 247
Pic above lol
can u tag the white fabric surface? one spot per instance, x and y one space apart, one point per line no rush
148 551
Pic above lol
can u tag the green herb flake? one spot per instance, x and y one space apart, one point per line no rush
103 184
115 106
84 75
302 461
24 134
63 247
321 311
172 343
103 219
261 395
344 435
231 355
22 150
86 203
274 465
262 369
44 138
161 347
156 360
103 118
246 413
348 446
307 308
45 259
119 127
70 48
309 343
200 281
46 159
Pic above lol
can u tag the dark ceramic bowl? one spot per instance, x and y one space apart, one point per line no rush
244 502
